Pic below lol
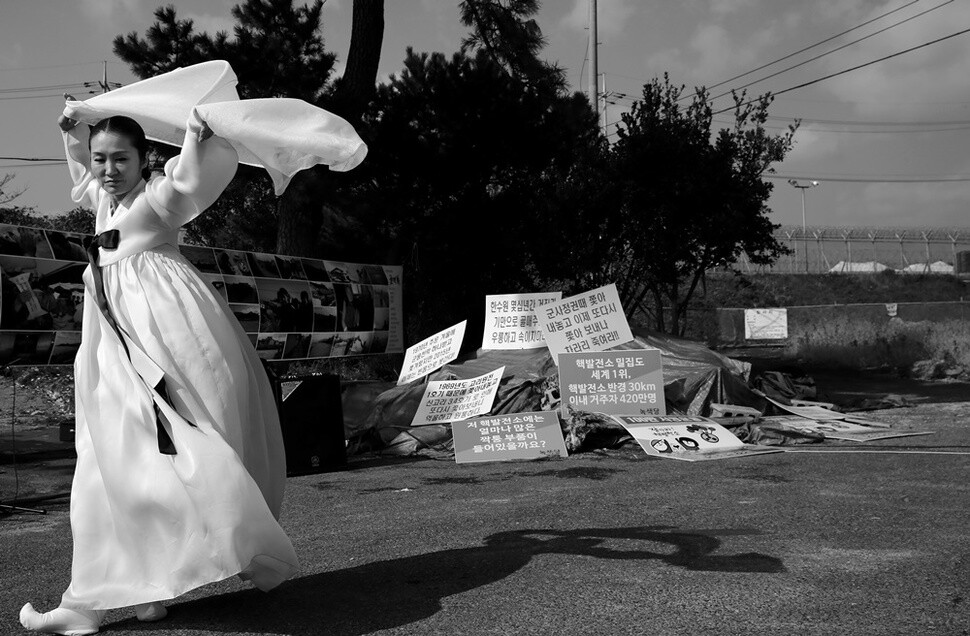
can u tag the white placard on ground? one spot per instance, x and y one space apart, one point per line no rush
591 321
506 437
836 429
453 400
687 438
821 413
766 324
432 353
511 321
612 382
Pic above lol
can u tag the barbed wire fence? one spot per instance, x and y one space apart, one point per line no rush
822 249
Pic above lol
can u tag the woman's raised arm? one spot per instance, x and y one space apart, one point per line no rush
195 178
78 159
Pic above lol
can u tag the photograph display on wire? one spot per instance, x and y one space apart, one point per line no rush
292 308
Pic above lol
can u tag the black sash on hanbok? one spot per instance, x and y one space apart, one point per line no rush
109 240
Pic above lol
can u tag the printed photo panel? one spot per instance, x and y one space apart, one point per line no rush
340 272
290 267
263 265
203 258
315 270
16 240
247 315
351 344
233 263
67 246
218 283
297 346
25 348
66 344
285 305
241 289
269 346
40 294
321 345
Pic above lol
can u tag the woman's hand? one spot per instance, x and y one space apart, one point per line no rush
64 122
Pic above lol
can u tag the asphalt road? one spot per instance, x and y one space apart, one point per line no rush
828 539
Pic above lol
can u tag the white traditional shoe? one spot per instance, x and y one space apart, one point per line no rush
68 622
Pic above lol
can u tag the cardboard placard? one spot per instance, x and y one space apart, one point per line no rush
591 321
511 321
612 382
508 437
687 438
432 353
453 400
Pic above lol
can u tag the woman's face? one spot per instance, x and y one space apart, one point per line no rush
115 163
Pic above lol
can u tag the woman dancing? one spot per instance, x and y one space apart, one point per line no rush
180 464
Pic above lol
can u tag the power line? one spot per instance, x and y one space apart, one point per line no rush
47 95
855 68
807 48
876 179
39 68
835 50
33 165
857 122
30 89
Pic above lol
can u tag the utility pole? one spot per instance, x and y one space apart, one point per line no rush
811 184
606 121
593 82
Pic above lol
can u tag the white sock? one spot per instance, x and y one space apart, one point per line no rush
150 612
62 620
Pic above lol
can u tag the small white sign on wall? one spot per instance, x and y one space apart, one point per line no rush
766 324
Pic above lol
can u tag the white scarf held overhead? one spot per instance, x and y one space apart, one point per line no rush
281 135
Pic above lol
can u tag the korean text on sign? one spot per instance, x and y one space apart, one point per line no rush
591 321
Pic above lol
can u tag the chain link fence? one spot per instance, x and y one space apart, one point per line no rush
818 249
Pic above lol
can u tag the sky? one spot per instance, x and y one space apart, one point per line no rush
888 143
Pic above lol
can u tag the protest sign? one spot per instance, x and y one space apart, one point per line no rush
446 401
836 429
506 437
511 321
765 324
591 321
687 438
431 353
612 382
816 412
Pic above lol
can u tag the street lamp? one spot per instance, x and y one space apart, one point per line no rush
796 184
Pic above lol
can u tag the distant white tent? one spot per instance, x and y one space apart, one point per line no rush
864 267
938 267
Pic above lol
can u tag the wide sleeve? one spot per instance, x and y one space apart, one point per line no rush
193 179
85 187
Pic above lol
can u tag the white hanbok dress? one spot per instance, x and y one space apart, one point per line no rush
149 526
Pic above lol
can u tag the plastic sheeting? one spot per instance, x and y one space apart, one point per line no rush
694 377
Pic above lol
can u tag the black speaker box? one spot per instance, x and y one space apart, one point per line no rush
312 420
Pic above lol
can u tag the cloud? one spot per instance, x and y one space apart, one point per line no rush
12 56
210 24
612 16
713 53
933 74
727 7
108 11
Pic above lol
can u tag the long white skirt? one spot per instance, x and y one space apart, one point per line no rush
147 526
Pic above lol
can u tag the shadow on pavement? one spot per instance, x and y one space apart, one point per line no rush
396 592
